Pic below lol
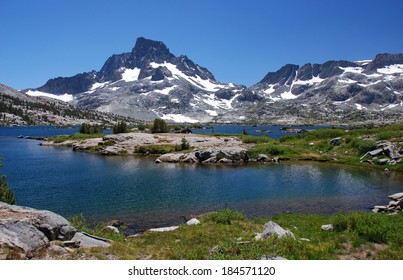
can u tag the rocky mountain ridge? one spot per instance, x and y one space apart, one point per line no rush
18 108
151 82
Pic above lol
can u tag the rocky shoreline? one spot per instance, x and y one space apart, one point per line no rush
205 148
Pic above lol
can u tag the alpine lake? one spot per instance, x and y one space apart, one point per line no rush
145 195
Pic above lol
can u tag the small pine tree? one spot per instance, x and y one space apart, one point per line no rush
86 128
6 195
244 131
185 144
159 126
120 127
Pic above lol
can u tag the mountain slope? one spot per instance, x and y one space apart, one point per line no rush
151 82
18 108
148 82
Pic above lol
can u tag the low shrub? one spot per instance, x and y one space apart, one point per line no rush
327 133
225 216
363 146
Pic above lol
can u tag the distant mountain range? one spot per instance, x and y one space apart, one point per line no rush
151 82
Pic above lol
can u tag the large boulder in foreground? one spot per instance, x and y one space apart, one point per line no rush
28 229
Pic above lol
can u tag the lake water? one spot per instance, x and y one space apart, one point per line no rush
144 194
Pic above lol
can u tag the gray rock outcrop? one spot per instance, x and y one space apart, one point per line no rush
272 229
394 206
209 155
27 230
89 241
385 153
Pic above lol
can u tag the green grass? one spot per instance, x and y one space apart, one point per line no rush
74 137
227 234
315 145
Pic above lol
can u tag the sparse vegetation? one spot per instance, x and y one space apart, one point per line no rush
227 234
315 145
73 137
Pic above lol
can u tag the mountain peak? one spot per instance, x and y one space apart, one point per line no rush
147 50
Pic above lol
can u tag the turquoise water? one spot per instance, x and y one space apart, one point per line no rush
144 194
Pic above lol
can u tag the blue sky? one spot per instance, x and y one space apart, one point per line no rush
238 41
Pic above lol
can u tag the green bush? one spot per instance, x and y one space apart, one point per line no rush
363 146
225 216
290 137
86 128
6 195
387 135
159 126
254 139
120 127
80 223
374 228
327 133
155 149
346 221
268 149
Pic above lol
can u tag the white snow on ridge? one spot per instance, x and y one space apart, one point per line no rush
364 61
198 82
270 89
130 75
357 70
347 81
314 80
165 91
390 106
360 107
211 113
65 97
179 118
391 69
98 85
288 95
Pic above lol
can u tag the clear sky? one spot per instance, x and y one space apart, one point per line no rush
238 41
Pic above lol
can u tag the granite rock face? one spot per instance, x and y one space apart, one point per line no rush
27 230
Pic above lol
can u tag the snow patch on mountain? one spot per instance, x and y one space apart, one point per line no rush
206 85
65 97
179 118
130 75
314 80
165 91
391 69
212 113
357 70
98 85
288 95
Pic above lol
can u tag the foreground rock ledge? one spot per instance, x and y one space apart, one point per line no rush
27 230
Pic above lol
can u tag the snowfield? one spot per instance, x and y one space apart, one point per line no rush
65 97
